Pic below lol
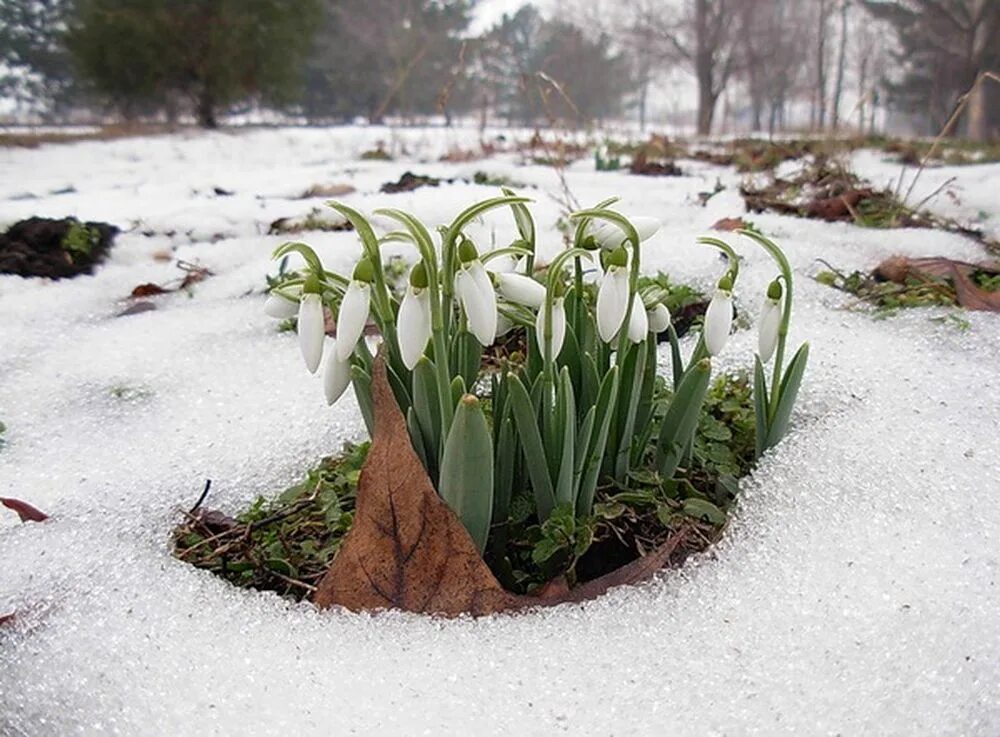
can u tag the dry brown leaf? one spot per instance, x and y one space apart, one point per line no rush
729 224
407 549
25 511
973 297
970 295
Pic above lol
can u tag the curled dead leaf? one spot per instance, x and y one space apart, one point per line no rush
729 224
25 511
970 296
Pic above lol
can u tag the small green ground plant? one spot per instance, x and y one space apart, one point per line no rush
566 457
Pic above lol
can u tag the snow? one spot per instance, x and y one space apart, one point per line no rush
854 593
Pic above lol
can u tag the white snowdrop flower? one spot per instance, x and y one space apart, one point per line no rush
280 307
503 264
612 302
718 321
558 319
520 289
475 290
608 235
336 376
414 325
769 323
352 317
658 318
311 330
638 323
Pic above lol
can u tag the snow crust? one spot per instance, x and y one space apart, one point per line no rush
855 593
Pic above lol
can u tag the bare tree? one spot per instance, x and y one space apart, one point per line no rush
838 85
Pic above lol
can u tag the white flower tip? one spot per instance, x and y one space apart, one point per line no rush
645 226
279 307
718 322
352 317
638 323
612 303
659 318
336 377
311 331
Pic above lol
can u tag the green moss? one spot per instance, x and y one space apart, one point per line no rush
80 239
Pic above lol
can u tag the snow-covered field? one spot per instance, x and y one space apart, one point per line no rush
856 592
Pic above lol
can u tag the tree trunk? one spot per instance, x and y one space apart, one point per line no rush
978 126
820 119
838 85
207 110
703 69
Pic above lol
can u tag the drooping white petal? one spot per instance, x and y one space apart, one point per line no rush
414 325
521 289
659 318
558 319
352 317
503 264
612 303
608 235
475 290
336 376
311 330
280 307
645 226
638 323
770 322
718 321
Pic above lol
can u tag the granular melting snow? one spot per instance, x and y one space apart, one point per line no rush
854 593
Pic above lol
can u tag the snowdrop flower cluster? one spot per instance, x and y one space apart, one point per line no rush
576 407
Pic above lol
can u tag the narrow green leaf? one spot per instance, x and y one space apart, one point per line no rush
603 421
531 443
676 362
416 435
399 388
682 417
582 447
362 382
457 390
789 392
504 465
427 405
467 470
633 371
567 414
760 405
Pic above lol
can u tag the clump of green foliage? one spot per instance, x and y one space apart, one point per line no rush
286 543
495 180
80 239
916 290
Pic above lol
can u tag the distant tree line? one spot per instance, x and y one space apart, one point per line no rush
329 60
759 62
763 61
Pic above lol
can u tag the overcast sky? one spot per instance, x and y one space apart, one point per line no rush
489 12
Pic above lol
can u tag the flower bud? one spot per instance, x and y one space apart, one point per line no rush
612 302
638 324
718 320
520 289
311 330
352 317
280 307
336 376
768 327
659 318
